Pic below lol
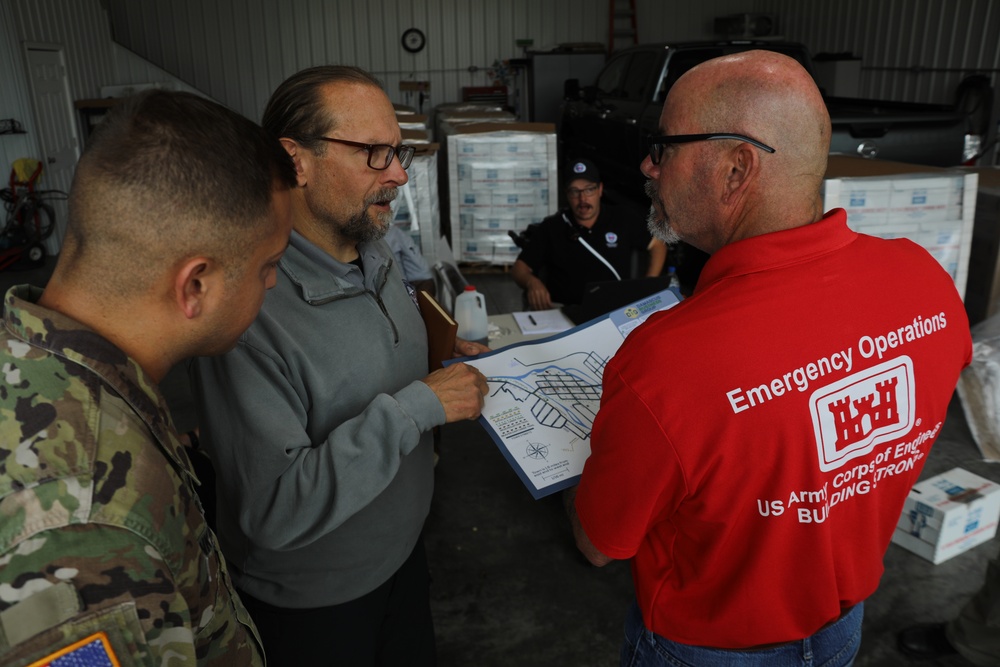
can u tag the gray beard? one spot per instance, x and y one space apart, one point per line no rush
659 227
360 228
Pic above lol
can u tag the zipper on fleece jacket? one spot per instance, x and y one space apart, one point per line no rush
383 274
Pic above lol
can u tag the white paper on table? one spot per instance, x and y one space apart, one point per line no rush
543 322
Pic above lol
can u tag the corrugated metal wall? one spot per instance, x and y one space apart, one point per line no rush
910 50
670 20
14 98
83 30
238 52
93 60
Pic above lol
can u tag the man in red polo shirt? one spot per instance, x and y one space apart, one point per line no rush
755 443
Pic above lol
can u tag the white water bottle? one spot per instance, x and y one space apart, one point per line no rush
470 313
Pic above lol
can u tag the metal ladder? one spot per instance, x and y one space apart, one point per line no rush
623 29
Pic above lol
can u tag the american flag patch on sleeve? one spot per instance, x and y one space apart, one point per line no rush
92 651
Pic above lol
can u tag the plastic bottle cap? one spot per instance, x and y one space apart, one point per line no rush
470 288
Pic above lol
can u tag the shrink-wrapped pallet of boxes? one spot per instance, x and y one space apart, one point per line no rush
448 118
500 178
416 209
450 115
413 127
931 206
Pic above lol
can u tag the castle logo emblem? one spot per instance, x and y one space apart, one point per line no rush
853 415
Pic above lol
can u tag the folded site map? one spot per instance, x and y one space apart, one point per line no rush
544 394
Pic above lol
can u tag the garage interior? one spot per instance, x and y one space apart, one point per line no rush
509 586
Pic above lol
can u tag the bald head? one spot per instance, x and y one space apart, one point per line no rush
765 95
714 192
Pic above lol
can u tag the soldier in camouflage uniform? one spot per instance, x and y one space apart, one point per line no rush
179 212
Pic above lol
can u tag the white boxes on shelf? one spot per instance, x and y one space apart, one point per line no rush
948 514
499 181
930 206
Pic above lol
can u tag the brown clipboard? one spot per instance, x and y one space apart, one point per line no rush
441 330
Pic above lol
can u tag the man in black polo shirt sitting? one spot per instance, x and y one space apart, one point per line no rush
581 245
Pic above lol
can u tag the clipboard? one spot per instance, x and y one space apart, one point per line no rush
441 330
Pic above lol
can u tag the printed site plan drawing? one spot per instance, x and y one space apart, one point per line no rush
545 393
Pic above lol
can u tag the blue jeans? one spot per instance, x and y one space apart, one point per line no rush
833 646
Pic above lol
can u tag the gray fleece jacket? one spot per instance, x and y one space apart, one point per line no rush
319 428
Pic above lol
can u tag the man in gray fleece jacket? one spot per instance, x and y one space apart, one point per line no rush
319 421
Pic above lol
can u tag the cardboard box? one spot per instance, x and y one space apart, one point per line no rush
926 199
948 514
411 121
490 248
513 201
867 201
494 224
499 179
475 149
881 196
497 176
532 173
415 136
476 249
471 199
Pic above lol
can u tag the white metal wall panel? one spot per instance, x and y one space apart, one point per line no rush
132 69
238 51
661 21
14 99
911 50
82 29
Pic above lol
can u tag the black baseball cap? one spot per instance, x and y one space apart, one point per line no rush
584 169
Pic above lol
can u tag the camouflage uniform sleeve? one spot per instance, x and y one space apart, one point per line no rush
67 585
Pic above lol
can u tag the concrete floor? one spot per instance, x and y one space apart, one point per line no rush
510 588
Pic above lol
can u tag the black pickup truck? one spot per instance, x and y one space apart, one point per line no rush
610 121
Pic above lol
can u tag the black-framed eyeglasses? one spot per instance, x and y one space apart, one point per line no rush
380 155
573 193
657 144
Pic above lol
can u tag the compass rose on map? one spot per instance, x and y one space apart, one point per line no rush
536 450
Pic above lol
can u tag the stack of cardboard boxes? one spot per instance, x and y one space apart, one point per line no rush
933 207
949 513
416 208
500 177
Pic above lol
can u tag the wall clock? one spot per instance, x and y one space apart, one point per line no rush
413 40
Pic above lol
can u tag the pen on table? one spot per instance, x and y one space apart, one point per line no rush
532 320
